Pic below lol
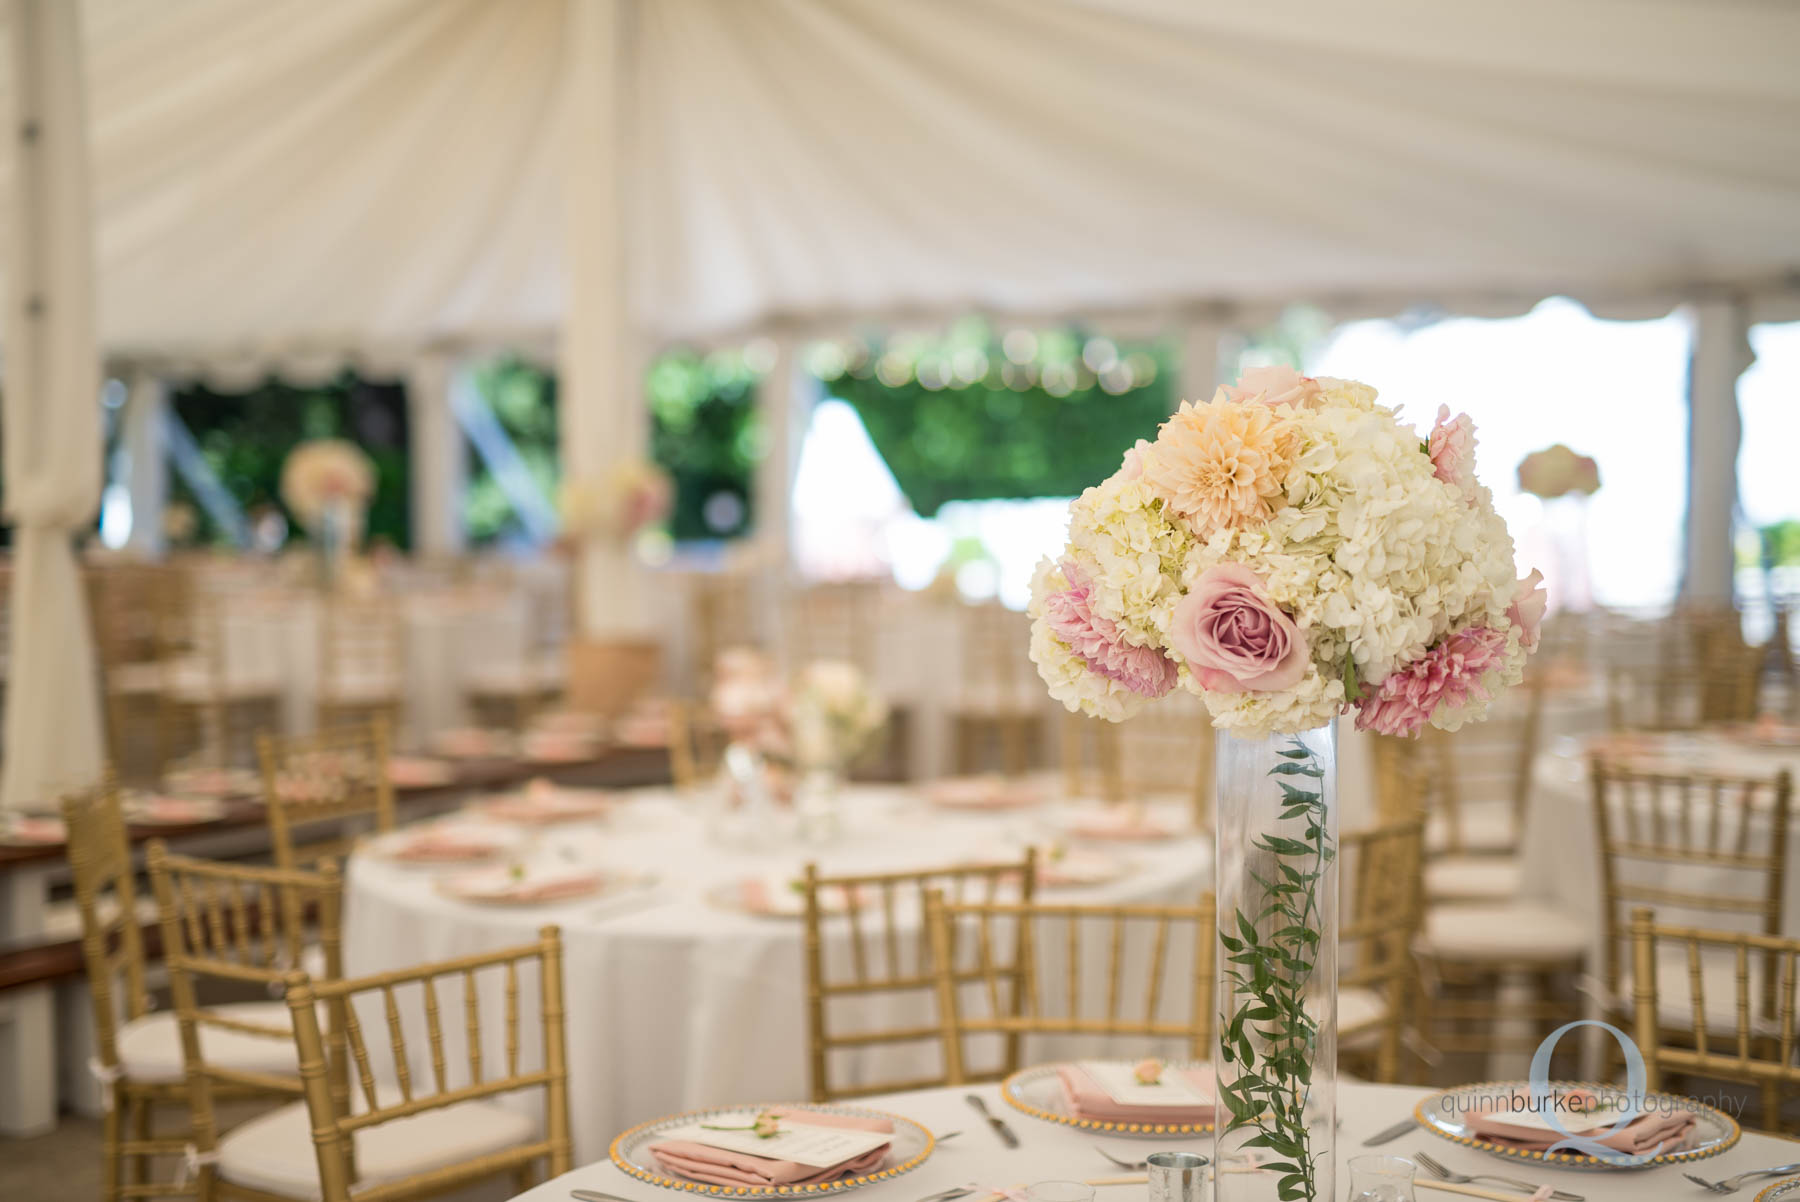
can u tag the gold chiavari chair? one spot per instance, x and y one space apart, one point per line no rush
719 617
336 776
362 662
999 717
236 927
1737 1029
127 604
1681 696
1162 754
207 701
866 912
1732 831
417 1138
1377 974
1018 997
1472 944
696 745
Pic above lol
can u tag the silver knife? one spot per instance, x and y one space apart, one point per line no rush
594 1195
1391 1134
997 1123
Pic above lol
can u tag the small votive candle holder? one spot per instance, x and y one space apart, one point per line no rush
1177 1176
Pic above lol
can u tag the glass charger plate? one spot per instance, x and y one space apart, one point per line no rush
1441 1114
1039 1093
1789 1189
631 1152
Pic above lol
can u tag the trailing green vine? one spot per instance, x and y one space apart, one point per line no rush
1270 1037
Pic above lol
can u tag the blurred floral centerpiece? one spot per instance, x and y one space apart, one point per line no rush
1288 551
1556 471
327 484
835 715
633 496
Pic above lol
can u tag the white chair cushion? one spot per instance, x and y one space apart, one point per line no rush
150 1047
1517 932
274 1152
1473 878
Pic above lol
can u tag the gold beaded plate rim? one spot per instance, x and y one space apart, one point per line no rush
630 1140
1009 1090
1571 1160
1787 1188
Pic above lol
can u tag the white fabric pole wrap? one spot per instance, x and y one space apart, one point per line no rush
1721 353
146 449
52 412
439 461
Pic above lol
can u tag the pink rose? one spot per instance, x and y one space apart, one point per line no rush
1233 637
1527 610
1273 386
1133 467
1452 448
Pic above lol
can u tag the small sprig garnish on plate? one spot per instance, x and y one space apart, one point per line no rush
766 1126
1148 1072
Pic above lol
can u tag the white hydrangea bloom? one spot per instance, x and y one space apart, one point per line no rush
1132 554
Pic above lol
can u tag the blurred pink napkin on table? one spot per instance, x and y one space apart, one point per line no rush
1088 1100
1641 1136
716 1166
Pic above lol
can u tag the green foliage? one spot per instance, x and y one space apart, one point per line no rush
705 434
1264 1029
974 415
523 400
246 437
1781 543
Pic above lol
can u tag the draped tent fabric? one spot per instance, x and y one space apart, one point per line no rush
52 419
309 181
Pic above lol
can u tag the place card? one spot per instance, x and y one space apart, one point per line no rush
809 1144
1121 1085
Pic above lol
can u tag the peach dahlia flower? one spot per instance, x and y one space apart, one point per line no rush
1221 464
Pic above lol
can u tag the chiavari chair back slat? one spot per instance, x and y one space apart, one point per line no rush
1383 898
362 661
1748 1037
100 867
343 1048
857 932
338 775
1732 830
1017 999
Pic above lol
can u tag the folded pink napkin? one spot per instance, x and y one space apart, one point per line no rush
444 847
984 793
698 1162
556 888
1641 1136
1089 1101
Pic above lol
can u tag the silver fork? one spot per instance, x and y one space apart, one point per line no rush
1135 1166
1731 1184
1437 1170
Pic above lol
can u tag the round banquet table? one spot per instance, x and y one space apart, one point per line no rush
676 999
1560 847
1050 1152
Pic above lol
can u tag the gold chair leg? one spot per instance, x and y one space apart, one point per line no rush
143 1128
112 1165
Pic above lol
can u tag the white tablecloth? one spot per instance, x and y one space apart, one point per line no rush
1561 848
675 1001
1051 1152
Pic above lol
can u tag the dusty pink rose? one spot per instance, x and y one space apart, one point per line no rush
1071 618
1133 467
1148 1071
1527 610
1273 386
1448 674
1234 639
1452 448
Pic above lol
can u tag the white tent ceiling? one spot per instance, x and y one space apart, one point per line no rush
289 177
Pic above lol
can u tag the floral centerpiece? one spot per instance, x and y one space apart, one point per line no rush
631 497
1289 551
327 484
835 715
1556 471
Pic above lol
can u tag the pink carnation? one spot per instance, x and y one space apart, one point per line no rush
1452 448
1096 640
1449 674
1273 386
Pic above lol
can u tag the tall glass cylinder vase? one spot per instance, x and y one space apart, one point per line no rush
1275 1036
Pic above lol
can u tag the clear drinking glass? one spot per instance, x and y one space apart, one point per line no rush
1381 1179
1059 1191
